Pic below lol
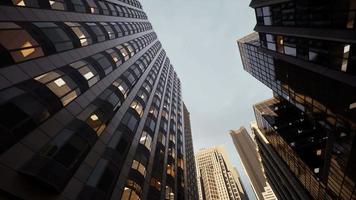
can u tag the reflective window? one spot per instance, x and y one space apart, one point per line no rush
92 7
57 4
103 62
136 165
109 30
66 148
115 57
81 33
137 107
19 43
132 191
146 140
103 176
124 52
56 35
87 71
61 85
100 36
169 193
121 85
130 121
96 121
104 7
78 5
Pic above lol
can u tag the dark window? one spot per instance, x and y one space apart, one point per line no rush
103 62
56 35
97 31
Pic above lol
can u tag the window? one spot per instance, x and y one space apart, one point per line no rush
96 122
169 193
56 35
57 4
81 33
121 85
117 29
109 30
19 44
103 7
123 51
115 57
97 31
87 71
136 165
130 122
78 5
155 183
66 148
92 7
132 191
137 107
131 50
103 62
146 140
61 85
104 176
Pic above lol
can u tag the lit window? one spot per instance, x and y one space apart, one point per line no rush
96 123
132 191
87 71
81 33
138 107
139 167
146 140
155 183
123 88
18 42
61 85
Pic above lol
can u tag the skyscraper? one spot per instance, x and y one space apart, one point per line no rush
91 105
216 177
304 51
192 190
250 159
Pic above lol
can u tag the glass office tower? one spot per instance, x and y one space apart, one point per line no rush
305 52
91 105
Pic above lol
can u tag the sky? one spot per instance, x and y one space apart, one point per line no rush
199 37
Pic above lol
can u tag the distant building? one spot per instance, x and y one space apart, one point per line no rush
250 159
217 180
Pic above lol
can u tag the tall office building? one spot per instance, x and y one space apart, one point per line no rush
305 52
217 180
250 159
91 107
192 190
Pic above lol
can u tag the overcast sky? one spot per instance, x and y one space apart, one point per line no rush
199 37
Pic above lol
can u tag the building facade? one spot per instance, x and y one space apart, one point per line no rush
217 180
192 190
91 105
305 52
250 159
